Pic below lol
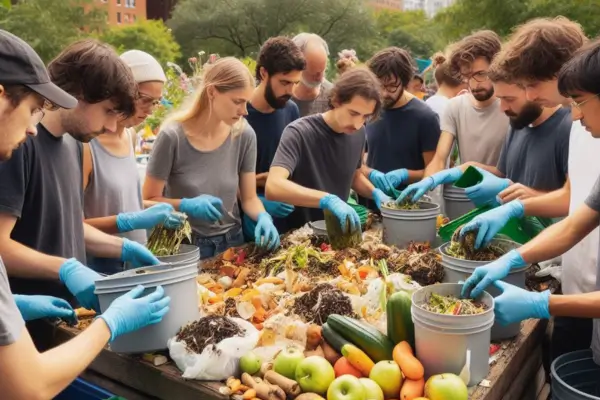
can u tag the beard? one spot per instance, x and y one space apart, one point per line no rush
275 102
390 101
311 84
78 130
482 94
530 112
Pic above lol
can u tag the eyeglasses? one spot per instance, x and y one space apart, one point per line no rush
37 115
148 101
480 76
390 88
578 105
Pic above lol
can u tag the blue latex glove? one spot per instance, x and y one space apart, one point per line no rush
81 282
486 191
516 304
483 276
137 254
265 233
397 177
276 208
162 213
490 223
379 180
416 190
132 311
36 307
380 198
204 207
345 214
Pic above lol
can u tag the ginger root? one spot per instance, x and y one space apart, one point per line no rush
289 386
309 396
264 368
313 337
264 390
316 352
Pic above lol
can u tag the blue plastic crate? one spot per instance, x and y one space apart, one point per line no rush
83 390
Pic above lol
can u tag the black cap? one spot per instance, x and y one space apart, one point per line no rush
20 65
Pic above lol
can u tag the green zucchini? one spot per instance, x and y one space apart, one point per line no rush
334 339
366 337
400 326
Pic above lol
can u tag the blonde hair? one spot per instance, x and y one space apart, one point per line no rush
346 60
224 75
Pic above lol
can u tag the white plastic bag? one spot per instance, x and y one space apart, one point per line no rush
217 362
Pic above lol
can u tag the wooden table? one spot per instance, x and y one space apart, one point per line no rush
515 367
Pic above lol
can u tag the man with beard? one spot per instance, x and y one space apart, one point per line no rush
311 95
42 233
278 68
403 140
474 121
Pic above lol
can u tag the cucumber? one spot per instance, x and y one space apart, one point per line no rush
377 345
334 339
400 326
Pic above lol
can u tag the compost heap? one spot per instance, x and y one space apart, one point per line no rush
451 305
464 248
321 302
208 331
406 204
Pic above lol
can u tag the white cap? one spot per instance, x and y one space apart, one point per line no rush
145 68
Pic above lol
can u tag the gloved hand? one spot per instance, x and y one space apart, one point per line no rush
418 189
131 312
137 254
397 177
162 213
380 198
486 191
265 233
516 304
36 307
482 277
81 282
345 214
248 226
490 223
275 208
204 207
379 180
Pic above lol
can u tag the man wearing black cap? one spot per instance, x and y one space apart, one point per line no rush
25 89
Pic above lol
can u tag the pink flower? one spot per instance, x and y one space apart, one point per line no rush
192 60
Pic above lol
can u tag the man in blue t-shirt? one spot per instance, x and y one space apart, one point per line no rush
403 140
279 67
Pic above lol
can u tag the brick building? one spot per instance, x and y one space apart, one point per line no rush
390 4
122 12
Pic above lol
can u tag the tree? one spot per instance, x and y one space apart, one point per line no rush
60 23
417 47
150 36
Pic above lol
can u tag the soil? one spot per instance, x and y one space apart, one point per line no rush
322 301
208 331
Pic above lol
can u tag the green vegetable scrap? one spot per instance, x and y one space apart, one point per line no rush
451 305
295 257
166 242
340 238
464 248
406 204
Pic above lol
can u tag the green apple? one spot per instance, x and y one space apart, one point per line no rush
346 387
372 389
446 387
314 374
250 363
287 361
388 376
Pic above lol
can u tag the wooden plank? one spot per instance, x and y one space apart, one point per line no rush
525 376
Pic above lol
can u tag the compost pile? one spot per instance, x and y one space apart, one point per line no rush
451 305
166 242
406 204
322 301
418 261
464 248
208 331
541 283
340 236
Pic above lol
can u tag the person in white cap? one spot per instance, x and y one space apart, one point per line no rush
112 189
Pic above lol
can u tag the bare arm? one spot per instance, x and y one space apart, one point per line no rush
550 205
362 185
442 152
22 261
279 188
153 191
101 244
261 179
44 375
586 305
251 204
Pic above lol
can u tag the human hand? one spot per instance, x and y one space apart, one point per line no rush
380 198
276 208
36 307
380 182
516 191
397 177
265 233
81 282
485 192
204 207
162 213
516 304
345 214
483 276
137 254
490 223
416 190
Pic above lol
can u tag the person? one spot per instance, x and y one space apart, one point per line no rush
534 56
415 86
112 189
204 155
41 207
311 95
449 86
25 88
402 141
278 69
579 80
347 60
473 121
319 157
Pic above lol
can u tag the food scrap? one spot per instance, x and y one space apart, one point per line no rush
451 305
322 301
208 331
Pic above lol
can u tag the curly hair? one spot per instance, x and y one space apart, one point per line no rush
393 62
539 48
279 55
483 43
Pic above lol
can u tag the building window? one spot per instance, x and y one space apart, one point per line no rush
118 18
118 2
126 18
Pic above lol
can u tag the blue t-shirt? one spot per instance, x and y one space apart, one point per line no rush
401 135
268 129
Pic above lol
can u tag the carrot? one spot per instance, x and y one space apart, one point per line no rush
408 363
412 390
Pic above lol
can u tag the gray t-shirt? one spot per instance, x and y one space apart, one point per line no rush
11 322
317 106
480 132
593 201
318 158
189 172
538 157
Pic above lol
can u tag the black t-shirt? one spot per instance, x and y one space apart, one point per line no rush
41 185
318 158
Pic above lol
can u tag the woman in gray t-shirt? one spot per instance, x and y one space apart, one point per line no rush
204 159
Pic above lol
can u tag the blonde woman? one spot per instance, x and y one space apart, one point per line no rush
204 154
